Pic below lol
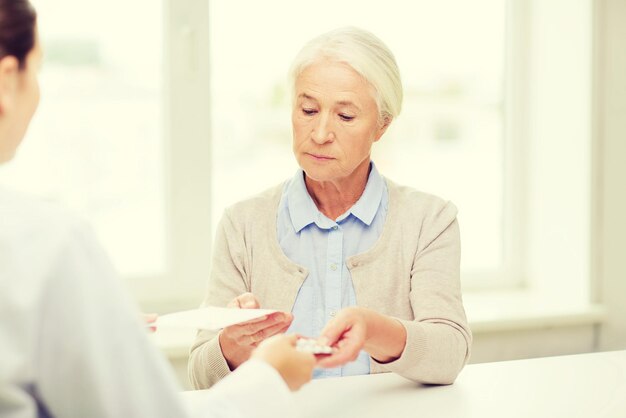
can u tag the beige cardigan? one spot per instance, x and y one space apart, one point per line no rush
411 273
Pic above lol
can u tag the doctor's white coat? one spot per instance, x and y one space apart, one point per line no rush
72 343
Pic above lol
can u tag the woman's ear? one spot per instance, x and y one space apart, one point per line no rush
384 124
9 71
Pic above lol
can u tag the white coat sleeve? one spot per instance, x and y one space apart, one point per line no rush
255 389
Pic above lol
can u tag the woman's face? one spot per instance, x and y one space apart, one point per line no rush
20 98
335 121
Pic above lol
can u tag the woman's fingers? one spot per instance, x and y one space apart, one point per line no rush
265 333
346 333
233 304
244 301
251 332
334 330
248 301
346 351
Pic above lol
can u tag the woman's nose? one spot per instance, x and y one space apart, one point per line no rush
322 131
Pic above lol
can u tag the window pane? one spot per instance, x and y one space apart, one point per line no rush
448 140
96 141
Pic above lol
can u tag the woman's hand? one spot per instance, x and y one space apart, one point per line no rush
355 329
346 333
279 351
238 341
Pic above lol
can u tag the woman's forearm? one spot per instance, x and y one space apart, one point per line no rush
386 336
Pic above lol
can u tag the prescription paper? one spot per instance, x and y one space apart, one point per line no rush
211 317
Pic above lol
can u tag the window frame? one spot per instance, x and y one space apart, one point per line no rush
511 275
187 161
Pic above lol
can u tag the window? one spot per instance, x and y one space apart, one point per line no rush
96 142
121 136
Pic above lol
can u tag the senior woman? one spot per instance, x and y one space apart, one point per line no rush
369 266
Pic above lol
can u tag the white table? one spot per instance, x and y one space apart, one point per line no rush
585 386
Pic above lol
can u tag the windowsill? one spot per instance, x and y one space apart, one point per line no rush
488 312
519 309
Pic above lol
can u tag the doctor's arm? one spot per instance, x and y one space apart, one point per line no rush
95 358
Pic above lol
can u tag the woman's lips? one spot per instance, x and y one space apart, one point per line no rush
319 157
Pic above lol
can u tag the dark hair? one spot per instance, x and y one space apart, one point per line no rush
17 29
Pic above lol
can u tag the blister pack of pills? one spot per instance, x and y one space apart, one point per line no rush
310 345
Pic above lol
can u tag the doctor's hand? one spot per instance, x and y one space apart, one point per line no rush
355 329
295 367
238 341
149 319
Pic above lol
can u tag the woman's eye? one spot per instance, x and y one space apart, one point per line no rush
346 117
309 112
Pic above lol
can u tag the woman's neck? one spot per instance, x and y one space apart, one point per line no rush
334 198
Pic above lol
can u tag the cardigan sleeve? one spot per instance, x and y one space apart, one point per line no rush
438 339
228 279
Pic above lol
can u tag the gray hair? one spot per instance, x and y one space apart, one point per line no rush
366 54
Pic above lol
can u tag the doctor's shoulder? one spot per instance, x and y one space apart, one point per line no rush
37 229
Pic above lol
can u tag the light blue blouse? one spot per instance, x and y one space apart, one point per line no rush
322 245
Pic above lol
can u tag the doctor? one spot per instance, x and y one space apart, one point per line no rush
71 342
